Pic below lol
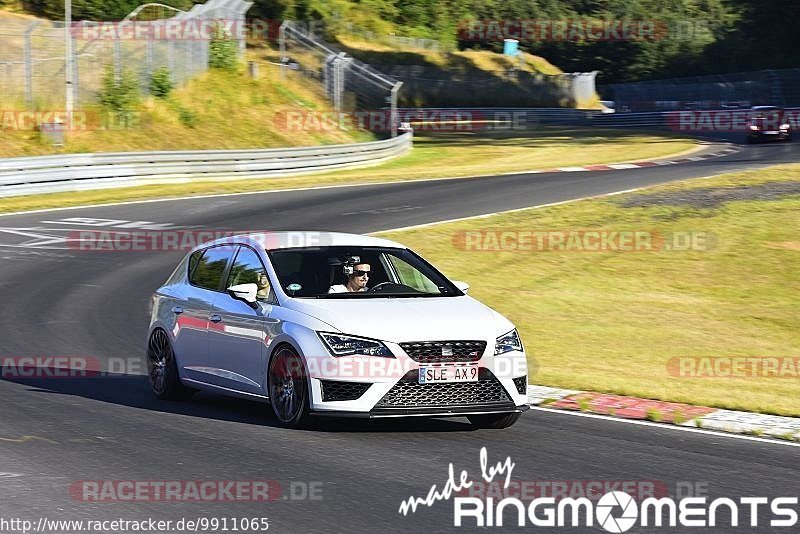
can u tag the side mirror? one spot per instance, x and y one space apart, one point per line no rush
244 292
462 286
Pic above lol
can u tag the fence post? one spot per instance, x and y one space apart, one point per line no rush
282 45
76 86
171 61
394 117
117 62
148 63
339 74
337 83
188 68
28 54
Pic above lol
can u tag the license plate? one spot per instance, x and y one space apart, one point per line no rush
771 133
440 374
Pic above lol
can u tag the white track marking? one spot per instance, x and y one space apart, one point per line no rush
486 215
621 166
664 426
572 169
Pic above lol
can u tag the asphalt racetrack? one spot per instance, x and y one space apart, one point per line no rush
341 476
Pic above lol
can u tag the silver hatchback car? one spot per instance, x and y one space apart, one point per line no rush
332 324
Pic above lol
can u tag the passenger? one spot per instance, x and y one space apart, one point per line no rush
357 281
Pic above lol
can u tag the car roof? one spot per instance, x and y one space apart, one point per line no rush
764 108
303 239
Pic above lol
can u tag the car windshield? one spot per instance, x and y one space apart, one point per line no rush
767 113
358 272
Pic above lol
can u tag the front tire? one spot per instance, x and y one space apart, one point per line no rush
163 369
492 420
288 388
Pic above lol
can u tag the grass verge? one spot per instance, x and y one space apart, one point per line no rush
613 321
434 156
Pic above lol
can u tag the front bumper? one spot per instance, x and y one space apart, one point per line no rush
442 411
781 135
369 386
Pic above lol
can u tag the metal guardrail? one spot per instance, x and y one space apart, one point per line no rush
530 118
76 172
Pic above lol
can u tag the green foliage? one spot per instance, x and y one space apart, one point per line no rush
160 82
704 36
699 36
223 51
94 9
187 117
120 97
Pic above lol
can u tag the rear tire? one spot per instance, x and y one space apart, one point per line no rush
288 388
491 420
162 369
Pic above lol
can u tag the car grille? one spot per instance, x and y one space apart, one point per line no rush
408 393
521 384
334 390
431 351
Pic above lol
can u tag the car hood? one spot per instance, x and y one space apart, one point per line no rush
407 319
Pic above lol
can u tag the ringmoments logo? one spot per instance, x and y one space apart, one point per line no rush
615 511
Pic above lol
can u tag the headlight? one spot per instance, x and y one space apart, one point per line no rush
753 127
507 343
784 126
342 345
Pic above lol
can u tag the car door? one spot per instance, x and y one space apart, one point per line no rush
194 313
239 332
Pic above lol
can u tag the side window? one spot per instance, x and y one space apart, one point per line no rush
211 267
411 277
248 269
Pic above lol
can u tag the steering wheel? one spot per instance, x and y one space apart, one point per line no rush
376 286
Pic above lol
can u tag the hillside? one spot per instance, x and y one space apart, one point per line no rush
449 77
215 110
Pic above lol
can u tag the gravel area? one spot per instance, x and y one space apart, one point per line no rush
712 197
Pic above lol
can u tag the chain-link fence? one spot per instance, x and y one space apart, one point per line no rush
742 89
351 86
33 52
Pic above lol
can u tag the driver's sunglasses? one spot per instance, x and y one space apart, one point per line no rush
361 273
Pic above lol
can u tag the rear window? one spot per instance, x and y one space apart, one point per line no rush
211 268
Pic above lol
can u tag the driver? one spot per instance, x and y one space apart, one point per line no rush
263 286
356 281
